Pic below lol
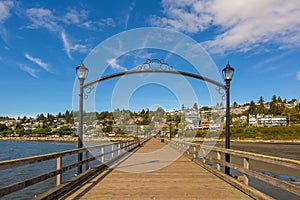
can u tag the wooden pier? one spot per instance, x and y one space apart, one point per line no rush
179 179
151 169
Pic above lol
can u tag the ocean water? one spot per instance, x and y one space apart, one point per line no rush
19 149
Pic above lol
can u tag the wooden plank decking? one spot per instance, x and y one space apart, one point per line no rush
156 171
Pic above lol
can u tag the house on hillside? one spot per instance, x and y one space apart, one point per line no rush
270 121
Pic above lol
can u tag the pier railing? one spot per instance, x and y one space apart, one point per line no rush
214 158
111 150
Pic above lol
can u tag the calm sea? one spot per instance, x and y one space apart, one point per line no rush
18 149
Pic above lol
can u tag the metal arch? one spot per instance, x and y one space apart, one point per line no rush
149 71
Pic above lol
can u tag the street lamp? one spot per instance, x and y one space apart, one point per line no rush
137 127
227 74
170 128
81 72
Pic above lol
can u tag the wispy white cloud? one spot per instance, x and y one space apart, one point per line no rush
127 17
67 45
74 16
99 24
29 70
45 18
80 48
298 75
114 64
38 61
241 25
107 22
42 18
5 7
80 18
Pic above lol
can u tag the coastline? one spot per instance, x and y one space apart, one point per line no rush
63 139
42 139
289 141
74 139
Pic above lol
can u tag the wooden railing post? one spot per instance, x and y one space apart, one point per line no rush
203 156
246 166
58 167
119 148
219 158
112 150
102 152
195 152
87 156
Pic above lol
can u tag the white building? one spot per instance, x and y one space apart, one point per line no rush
252 121
269 121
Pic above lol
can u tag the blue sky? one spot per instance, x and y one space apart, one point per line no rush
43 41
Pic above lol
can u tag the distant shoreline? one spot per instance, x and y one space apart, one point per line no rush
74 139
254 141
62 139
50 139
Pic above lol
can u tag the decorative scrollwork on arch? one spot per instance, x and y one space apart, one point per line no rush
221 91
87 91
155 64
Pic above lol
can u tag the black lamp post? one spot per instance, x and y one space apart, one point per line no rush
227 74
137 127
81 72
170 129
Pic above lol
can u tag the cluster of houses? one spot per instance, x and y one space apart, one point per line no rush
261 120
202 118
31 124
214 117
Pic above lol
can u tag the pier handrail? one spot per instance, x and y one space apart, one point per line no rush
200 152
121 148
39 158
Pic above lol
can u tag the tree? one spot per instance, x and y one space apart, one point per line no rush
158 114
235 105
182 107
195 106
24 119
274 99
252 108
64 130
177 119
42 131
273 108
3 127
260 108
205 108
169 118
107 129
261 100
